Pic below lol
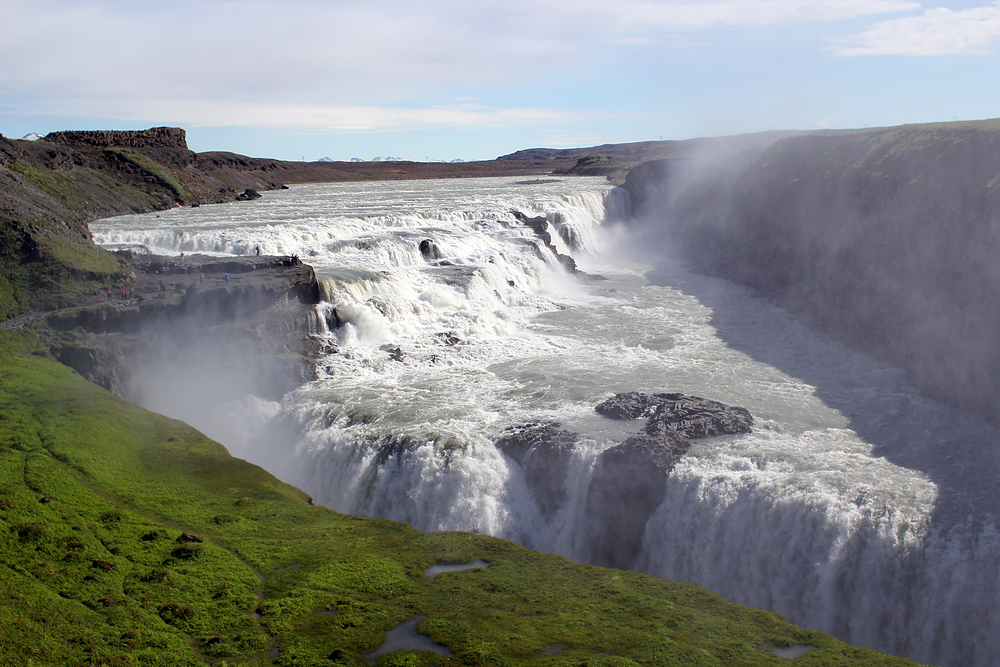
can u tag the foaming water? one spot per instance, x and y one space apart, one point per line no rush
856 506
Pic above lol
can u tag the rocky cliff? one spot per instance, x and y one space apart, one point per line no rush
239 326
236 326
886 239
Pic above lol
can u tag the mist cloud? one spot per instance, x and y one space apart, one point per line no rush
938 32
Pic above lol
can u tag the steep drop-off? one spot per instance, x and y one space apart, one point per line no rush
886 239
130 539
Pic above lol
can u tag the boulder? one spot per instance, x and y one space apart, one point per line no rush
248 195
429 250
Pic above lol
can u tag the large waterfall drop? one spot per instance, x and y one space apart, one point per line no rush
856 506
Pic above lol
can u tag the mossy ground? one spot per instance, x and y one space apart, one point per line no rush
102 505
60 273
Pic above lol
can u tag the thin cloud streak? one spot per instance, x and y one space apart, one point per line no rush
938 32
332 119
641 17
502 73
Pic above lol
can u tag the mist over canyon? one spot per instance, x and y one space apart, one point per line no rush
860 504
764 365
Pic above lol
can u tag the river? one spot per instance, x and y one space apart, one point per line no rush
856 506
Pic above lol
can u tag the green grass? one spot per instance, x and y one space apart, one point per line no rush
60 272
96 493
150 171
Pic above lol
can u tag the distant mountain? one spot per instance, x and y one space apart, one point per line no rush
34 136
325 159
634 153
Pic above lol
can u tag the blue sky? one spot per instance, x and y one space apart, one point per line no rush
471 79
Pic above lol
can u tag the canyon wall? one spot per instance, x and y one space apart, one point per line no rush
887 240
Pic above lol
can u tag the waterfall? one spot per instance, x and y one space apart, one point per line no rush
856 507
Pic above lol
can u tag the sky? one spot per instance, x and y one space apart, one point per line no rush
476 79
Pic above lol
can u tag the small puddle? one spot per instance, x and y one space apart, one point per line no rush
551 649
404 637
435 570
790 652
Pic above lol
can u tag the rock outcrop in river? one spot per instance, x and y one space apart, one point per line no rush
629 479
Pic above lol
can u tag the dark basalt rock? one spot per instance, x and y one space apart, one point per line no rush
628 405
445 338
247 334
686 416
248 195
539 226
429 250
629 480
395 352
693 417
543 451
627 486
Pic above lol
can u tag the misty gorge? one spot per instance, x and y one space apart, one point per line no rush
840 287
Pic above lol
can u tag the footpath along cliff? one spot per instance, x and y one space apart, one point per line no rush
887 240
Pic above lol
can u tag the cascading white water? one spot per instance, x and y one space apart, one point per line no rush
856 506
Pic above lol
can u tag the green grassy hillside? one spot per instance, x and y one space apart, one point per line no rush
127 538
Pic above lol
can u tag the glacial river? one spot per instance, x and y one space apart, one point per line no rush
856 507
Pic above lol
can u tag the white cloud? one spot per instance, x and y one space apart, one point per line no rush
937 32
377 52
344 66
316 118
642 16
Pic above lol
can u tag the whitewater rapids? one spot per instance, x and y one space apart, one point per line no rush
856 507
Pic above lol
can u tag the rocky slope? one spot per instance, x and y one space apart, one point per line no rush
199 315
228 327
886 239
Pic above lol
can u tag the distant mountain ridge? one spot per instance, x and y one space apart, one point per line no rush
642 151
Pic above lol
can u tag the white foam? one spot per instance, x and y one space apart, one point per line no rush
856 507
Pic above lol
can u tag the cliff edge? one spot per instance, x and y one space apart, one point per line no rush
885 239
